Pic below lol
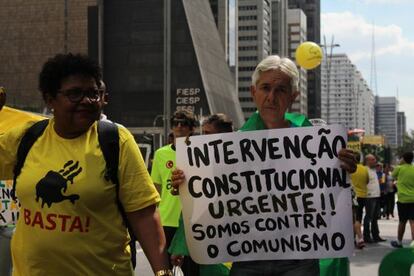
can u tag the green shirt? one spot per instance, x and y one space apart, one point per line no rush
162 167
405 183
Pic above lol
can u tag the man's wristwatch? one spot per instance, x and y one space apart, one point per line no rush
164 272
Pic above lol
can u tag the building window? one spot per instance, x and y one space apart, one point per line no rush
247 17
248 48
248 8
248 37
249 109
245 99
248 58
245 78
247 28
247 68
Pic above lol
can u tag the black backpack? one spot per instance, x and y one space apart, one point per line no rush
109 142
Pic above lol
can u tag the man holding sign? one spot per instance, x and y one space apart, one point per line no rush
252 208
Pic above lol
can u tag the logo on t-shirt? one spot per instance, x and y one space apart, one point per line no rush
169 164
52 186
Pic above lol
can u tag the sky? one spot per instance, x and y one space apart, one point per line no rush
351 23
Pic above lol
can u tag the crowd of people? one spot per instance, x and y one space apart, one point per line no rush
375 187
72 215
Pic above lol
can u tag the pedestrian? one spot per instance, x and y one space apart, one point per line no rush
390 191
371 231
70 223
359 180
183 124
383 190
404 174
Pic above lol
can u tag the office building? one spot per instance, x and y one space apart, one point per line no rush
401 128
133 61
386 109
296 24
254 40
279 28
312 10
346 98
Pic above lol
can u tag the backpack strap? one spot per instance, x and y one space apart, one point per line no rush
108 137
28 139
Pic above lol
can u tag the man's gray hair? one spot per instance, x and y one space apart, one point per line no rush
275 62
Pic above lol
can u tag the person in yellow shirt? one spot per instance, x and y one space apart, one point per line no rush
69 222
359 180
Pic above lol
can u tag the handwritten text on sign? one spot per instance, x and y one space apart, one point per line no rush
9 209
270 194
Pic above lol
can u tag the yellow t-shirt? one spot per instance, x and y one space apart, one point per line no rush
69 222
359 181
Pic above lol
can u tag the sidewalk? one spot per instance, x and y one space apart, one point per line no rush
366 261
363 263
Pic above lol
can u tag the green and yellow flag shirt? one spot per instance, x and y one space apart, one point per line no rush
69 220
162 167
405 183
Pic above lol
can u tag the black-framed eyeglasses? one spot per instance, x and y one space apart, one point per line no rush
181 122
76 95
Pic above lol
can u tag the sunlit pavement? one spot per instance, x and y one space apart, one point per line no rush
364 262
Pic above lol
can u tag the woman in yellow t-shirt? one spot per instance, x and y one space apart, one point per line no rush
69 222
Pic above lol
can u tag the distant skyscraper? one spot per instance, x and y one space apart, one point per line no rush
365 105
350 99
254 40
312 10
296 23
279 28
401 127
386 109
225 15
225 18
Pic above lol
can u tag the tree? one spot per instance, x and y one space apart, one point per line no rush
408 143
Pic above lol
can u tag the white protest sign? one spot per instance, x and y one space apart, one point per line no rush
268 194
9 209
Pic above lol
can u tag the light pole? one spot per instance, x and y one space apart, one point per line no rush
328 60
167 68
154 124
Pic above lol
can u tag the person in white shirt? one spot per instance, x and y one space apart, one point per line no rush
371 230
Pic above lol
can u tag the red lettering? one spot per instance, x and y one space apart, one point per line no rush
26 215
51 220
64 218
37 220
76 224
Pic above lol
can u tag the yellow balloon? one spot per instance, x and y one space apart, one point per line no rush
308 55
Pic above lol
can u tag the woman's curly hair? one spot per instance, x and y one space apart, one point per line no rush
62 66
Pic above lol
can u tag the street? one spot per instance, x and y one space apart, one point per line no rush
363 262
